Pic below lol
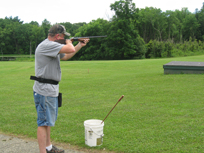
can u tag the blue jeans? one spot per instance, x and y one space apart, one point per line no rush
47 109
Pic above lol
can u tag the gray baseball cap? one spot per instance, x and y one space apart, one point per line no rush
58 28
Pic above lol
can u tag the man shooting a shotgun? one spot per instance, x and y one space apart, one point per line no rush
46 87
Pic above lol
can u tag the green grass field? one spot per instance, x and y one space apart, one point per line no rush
159 113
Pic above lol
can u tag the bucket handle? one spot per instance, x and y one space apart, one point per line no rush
95 132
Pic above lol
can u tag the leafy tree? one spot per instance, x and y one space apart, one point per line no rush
190 27
181 15
2 35
7 42
15 19
144 27
46 26
34 23
95 48
200 18
172 21
13 26
27 38
123 36
38 35
157 20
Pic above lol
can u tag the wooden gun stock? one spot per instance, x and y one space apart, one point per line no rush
61 41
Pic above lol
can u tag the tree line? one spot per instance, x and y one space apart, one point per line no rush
132 33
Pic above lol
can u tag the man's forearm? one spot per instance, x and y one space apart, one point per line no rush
70 55
78 47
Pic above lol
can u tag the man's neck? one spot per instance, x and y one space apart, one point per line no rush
51 38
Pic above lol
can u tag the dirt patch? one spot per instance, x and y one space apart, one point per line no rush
65 146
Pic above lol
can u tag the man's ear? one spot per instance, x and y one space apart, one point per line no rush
57 36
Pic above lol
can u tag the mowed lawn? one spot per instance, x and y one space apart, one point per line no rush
159 113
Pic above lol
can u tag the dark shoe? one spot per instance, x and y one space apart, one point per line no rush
55 150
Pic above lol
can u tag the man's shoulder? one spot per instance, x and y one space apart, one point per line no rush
46 41
48 48
47 44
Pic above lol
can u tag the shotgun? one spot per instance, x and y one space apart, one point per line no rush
63 41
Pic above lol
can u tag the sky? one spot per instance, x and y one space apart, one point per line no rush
75 11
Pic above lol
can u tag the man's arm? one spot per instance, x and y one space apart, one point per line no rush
68 48
76 48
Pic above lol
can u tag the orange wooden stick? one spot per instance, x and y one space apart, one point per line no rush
113 108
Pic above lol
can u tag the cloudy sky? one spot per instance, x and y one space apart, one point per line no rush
75 11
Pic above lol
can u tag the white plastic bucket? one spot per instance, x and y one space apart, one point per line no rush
93 132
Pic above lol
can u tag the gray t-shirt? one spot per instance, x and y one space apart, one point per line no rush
47 66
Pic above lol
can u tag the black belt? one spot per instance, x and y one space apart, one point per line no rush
41 80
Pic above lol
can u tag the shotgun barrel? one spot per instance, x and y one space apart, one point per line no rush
88 37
